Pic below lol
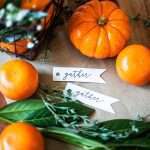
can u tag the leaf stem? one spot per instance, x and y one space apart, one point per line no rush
71 137
5 120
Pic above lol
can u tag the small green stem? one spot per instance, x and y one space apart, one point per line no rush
102 21
5 120
71 137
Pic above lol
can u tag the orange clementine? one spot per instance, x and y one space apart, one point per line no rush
21 136
18 79
133 65
19 47
2 2
34 4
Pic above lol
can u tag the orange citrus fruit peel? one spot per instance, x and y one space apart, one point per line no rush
133 65
18 79
21 136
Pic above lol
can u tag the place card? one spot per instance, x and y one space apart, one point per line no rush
90 98
78 74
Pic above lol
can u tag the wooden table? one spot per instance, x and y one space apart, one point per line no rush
133 100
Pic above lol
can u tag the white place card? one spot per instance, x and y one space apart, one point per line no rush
78 74
91 98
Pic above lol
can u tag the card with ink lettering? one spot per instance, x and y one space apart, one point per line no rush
91 98
78 74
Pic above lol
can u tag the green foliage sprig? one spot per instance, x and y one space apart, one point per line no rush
56 115
145 21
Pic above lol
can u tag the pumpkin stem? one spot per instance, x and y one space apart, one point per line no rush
102 21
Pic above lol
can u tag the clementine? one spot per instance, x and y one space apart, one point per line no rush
21 136
34 4
133 65
2 2
18 79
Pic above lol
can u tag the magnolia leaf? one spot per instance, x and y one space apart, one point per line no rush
34 112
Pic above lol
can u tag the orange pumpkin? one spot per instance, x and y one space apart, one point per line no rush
99 29
108 0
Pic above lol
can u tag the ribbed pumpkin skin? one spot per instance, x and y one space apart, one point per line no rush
98 40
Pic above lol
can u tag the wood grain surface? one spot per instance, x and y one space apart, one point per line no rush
140 34
133 100
60 52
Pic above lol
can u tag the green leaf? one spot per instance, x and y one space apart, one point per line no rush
131 148
12 34
35 112
140 142
72 137
15 2
125 125
29 111
10 31
68 136
119 133
80 108
140 139
115 130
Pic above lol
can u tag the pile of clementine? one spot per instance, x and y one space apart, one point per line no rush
19 80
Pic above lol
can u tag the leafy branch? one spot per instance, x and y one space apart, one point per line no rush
69 120
145 21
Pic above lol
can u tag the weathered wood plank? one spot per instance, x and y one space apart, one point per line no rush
133 100
140 34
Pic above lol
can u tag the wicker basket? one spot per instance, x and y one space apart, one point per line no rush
32 52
